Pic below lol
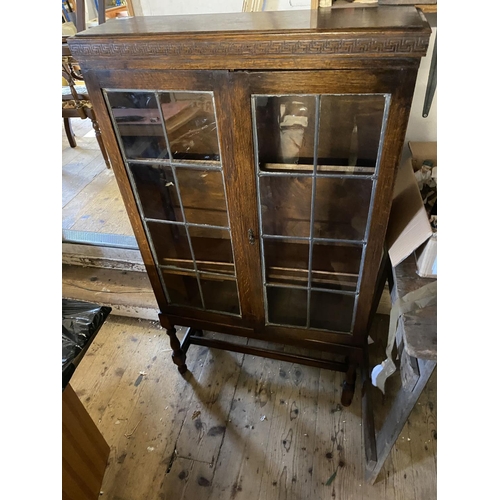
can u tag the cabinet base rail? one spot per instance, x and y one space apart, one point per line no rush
195 336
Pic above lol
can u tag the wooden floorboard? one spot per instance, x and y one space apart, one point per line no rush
91 200
238 426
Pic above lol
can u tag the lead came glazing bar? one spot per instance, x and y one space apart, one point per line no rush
199 164
306 174
313 201
187 224
387 98
259 202
176 183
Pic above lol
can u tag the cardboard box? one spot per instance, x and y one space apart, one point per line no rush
409 225
421 151
426 254
409 228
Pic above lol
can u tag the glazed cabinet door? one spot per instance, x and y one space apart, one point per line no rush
324 159
175 149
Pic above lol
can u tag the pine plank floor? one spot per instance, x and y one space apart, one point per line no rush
91 200
239 426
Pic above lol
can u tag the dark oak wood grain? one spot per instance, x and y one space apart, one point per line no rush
231 58
256 40
321 21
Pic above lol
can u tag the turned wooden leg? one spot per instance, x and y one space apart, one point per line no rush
178 356
348 385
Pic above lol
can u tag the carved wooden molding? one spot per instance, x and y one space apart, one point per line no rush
383 45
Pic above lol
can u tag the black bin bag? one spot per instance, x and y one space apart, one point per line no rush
81 321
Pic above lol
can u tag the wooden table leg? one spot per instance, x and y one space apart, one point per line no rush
396 419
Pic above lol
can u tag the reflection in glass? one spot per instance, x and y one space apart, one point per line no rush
341 208
285 130
171 244
349 133
156 189
203 197
286 261
286 205
212 249
191 125
138 123
331 311
287 306
182 288
335 266
220 294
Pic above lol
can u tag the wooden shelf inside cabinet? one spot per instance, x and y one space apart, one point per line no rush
255 153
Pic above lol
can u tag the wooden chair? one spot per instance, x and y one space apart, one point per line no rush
75 99
76 102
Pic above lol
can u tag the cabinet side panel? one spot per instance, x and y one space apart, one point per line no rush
397 122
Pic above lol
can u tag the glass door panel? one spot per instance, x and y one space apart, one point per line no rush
285 131
182 288
171 244
335 266
170 146
138 123
203 196
286 261
286 205
350 127
220 294
156 190
212 249
191 125
331 311
341 207
316 159
286 306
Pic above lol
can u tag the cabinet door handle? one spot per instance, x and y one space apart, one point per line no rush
251 237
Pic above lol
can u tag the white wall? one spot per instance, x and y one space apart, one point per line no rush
419 128
181 7
286 4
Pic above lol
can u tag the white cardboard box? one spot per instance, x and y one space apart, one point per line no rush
409 225
409 229
426 256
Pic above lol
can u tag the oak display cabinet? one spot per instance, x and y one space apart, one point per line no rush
256 155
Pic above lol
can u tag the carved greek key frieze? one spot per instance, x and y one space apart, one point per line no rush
383 45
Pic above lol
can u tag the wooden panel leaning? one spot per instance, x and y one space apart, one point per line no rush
416 339
84 451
